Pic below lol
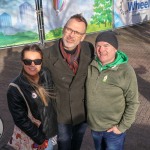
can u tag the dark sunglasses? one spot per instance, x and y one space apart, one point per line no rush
29 61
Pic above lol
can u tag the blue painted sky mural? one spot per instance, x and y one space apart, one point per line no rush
57 18
17 16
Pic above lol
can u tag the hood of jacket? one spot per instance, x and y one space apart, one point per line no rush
121 58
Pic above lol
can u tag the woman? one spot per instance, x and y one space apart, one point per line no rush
37 87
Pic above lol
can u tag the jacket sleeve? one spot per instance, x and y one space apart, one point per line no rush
131 100
19 112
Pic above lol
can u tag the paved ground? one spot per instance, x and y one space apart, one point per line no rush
135 42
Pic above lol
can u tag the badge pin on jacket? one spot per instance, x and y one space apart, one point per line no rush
105 78
34 95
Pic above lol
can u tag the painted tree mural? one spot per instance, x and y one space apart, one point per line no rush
102 12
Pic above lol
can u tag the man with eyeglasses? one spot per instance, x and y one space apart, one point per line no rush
68 61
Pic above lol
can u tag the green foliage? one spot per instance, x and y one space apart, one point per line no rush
95 28
19 38
57 33
54 34
102 12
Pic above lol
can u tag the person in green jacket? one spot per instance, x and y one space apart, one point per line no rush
112 94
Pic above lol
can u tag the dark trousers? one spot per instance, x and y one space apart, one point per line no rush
70 136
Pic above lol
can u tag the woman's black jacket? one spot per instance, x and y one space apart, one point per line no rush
46 114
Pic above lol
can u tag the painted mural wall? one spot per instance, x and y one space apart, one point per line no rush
18 22
98 14
19 25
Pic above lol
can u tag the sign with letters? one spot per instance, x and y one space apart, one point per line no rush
129 12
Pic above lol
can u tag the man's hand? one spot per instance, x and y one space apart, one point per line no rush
114 129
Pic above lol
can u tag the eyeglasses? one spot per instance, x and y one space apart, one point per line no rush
29 61
69 30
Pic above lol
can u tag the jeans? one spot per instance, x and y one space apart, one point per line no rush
70 136
52 143
108 140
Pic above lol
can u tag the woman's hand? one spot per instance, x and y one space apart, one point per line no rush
114 129
43 145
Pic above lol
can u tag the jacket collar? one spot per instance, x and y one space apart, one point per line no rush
58 60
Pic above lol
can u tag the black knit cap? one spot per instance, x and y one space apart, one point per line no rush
109 37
